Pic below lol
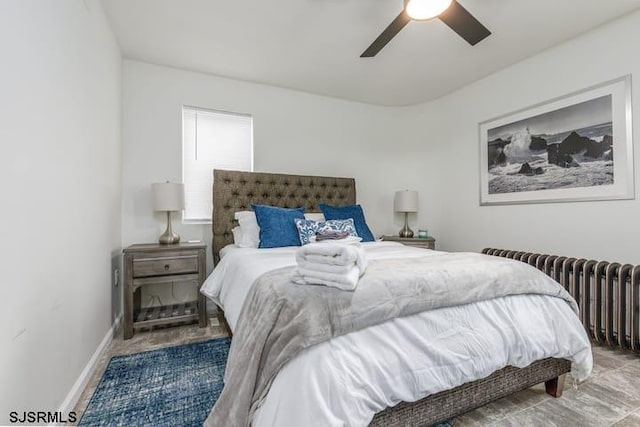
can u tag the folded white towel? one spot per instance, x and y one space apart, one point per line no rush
330 264
326 268
332 254
346 281
349 240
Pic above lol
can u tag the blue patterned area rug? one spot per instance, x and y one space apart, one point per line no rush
173 386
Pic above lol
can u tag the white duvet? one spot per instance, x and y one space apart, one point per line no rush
345 381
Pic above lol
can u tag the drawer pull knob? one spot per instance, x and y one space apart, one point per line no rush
166 266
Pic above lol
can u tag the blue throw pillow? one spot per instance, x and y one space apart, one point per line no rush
346 212
308 228
277 226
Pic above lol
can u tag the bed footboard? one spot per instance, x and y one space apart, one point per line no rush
450 403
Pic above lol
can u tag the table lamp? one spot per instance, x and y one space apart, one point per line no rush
169 197
406 201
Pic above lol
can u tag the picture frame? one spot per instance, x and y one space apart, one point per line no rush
577 147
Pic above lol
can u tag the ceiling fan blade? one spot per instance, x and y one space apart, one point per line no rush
386 36
462 22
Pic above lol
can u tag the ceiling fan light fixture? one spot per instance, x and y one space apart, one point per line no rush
426 9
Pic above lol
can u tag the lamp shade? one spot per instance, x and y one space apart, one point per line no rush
168 196
406 201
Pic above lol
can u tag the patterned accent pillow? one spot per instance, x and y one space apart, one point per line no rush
308 228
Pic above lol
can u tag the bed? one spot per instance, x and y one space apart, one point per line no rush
235 191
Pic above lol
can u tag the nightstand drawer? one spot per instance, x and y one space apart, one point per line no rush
163 266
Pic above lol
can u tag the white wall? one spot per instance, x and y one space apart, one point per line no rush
61 195
294 132
601 230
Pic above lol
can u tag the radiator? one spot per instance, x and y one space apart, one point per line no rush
608 293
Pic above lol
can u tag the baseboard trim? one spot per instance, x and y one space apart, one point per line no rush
78 387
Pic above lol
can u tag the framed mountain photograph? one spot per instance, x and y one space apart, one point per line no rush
574 148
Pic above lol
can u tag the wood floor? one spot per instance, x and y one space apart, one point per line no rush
610 397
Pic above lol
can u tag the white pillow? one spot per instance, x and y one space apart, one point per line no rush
249 229
237 235
315 216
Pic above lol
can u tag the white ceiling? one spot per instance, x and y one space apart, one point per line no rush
314 45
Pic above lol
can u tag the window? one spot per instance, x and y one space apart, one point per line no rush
211 139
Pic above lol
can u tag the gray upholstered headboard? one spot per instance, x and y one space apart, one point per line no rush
235 191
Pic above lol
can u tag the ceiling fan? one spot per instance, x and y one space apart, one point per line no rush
448 11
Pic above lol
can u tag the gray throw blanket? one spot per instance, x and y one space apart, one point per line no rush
279 318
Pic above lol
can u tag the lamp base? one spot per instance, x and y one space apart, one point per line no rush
406 231
169 237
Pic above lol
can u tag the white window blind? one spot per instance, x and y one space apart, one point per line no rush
211 139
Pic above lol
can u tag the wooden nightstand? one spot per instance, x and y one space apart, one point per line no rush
425 243
151 264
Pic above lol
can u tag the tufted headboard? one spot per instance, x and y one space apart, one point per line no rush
235 191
